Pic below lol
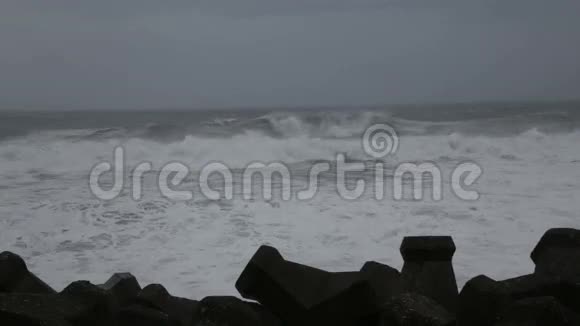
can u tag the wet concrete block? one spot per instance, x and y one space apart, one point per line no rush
481 302
539 311
558 254
124 287
15 277
303 295
138 315
153 295
231 311
99 304
412 309
567 292
385 280
428 268
43 309
179 310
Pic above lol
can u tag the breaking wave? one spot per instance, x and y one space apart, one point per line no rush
57 155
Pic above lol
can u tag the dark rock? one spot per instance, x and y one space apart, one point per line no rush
291 294
481 302
99 304
124 288
539 311
385 280
84 290
428 269
138 315
12 319
565 291
231 311
411 309
428 248
154 295
15 277
558 254
179 310
42 309
302 295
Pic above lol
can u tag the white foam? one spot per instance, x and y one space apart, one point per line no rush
198 248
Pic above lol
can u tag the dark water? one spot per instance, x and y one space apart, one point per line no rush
167 125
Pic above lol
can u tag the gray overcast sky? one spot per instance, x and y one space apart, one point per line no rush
228 53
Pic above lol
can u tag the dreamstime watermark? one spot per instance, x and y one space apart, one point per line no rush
379 141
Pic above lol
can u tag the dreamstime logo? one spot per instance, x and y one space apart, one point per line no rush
379 141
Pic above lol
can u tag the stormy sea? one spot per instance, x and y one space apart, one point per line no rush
529 154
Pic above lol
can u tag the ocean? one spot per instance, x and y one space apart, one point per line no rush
529 155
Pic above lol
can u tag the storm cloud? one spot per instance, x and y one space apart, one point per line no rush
244 53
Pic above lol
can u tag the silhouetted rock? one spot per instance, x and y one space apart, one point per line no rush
385 280
412 309
15 277
179 310
539 311
558 254
302 295
231 311
138 315
124 288
428 269
43 309
485 302
481 302
565 291
10 319
99 304
292 294
154 295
